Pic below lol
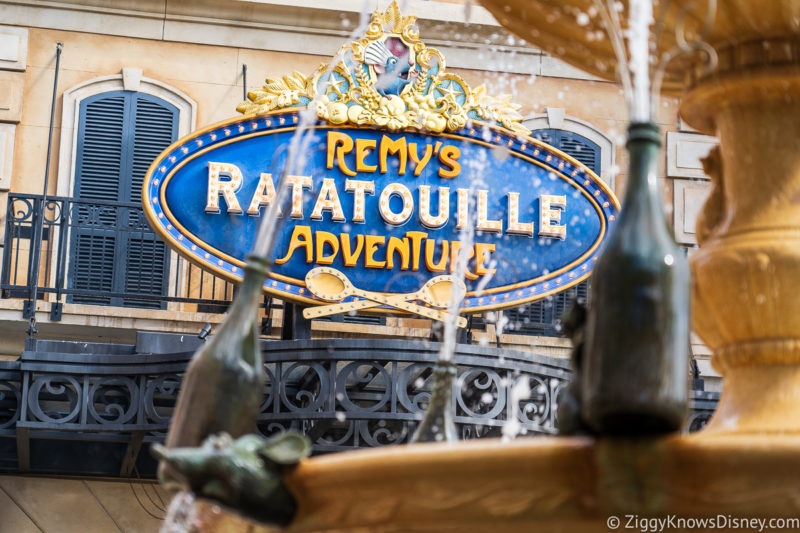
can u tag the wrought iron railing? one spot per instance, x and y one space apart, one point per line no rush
97 252
365 393
342 393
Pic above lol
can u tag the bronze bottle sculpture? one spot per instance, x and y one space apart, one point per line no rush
224 383
634 379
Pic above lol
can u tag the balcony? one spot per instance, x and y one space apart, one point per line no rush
94 255
94 408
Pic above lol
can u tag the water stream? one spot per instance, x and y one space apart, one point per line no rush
640 18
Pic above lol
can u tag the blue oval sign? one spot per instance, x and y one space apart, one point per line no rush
388 209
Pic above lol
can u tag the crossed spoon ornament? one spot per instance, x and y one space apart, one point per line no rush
331 285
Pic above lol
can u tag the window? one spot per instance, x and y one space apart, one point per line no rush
542 317
347 318
112 249
578 146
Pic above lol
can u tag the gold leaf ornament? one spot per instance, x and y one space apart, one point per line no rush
276 94
353 98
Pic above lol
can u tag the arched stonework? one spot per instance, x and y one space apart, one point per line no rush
129 79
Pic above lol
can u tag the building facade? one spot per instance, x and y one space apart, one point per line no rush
80 259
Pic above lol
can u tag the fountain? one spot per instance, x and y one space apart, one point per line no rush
738 65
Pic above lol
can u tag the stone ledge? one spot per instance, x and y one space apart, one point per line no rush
93 322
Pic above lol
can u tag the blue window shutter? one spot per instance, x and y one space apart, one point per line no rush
91 264
577 146
99 165
98 175
155 126
541 318
113 248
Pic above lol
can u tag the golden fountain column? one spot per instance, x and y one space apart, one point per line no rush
746 274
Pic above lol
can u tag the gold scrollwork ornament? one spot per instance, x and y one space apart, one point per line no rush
389 79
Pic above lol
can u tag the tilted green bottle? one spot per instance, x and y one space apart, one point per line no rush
636 362
224 383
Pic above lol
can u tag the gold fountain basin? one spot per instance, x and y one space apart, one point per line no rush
536 484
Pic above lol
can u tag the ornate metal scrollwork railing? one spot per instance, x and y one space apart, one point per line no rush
343 393
361 393
96 393
10 396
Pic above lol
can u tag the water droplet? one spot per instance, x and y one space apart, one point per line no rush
500 153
